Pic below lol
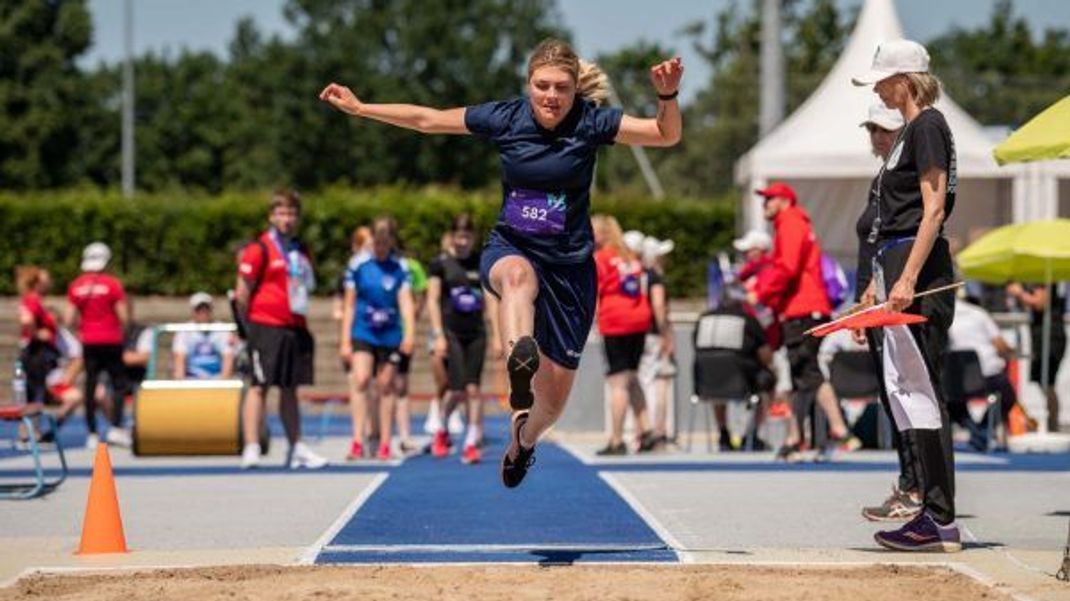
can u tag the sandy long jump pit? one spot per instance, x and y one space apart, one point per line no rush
509 582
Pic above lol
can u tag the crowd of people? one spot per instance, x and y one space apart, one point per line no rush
95 339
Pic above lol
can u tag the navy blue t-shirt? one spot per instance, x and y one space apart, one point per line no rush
546 174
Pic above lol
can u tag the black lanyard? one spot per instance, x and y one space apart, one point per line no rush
875 227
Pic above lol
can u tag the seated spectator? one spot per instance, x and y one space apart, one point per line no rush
731 326
50 355
202 355
52 379
974 330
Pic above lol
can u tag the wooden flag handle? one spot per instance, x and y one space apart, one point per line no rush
855 310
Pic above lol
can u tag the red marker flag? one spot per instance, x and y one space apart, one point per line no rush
861 317
873 317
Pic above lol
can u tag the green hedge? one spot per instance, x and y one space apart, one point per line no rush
174 243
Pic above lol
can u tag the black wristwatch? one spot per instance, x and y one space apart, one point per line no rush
668 97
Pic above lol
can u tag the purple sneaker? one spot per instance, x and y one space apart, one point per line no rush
922 534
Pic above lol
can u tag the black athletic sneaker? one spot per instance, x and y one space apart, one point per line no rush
790 453
522 364
648 441
514 470
612 450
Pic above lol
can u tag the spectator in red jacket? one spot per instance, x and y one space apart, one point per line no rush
794 288
755 249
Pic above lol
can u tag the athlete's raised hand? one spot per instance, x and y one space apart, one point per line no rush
666 75
341 98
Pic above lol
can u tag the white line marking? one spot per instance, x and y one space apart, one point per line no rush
600 547
308 556
575 452
645 514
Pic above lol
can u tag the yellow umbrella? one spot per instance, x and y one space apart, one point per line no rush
1035 252
1042 138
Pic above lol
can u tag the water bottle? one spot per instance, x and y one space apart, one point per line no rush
18 384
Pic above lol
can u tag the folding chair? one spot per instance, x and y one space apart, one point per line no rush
718 373
963 380
40 485
853 376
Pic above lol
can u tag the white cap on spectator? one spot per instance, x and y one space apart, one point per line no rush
200 298
633 239
883 117
654 248
752 240
893 58
95 257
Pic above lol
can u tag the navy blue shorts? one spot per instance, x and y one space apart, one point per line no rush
564 307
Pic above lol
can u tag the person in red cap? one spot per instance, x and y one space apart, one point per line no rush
793 287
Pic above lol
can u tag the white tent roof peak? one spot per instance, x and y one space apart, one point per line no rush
822 137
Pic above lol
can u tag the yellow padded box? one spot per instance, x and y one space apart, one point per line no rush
188 417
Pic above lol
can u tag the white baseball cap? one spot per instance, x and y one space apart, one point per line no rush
200 298
884 117
654 248
752 240
95 257
893 58
633 239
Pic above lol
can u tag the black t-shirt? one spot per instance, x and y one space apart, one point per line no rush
462 299
653 278
926 143
866 249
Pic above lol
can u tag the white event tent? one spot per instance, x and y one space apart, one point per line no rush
823 153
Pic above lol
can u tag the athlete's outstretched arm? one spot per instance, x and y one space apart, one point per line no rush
667 127
409 116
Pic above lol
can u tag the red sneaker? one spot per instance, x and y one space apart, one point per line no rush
356 451
440 446
384 452
471 455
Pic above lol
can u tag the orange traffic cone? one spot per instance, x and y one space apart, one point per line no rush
102 530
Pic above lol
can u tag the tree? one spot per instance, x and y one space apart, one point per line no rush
1003 73
629 73
443 54
41 100
721 124
255 120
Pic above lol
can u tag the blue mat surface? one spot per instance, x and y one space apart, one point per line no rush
438 510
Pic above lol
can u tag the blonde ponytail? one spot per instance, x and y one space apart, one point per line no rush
592 83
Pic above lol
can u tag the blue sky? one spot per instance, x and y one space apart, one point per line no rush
598 25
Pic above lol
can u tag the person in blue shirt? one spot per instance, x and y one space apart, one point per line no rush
202 354
538 258
379 318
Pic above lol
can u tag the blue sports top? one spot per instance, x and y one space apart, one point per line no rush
377 317
546 174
